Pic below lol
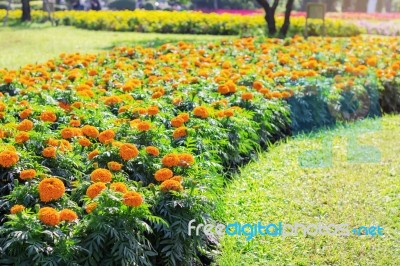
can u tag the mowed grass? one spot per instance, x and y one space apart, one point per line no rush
31 43
285 185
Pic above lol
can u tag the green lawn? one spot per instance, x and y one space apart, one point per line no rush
278 188
39 42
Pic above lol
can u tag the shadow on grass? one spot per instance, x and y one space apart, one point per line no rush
17 25
154 43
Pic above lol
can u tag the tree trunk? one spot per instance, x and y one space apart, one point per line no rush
388 5
286 23
361 6
330 5
346 6
269 15
26 11
379 6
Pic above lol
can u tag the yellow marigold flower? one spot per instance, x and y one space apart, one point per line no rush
169 185
17 208
163 174
48 116
119 187
68 215
106 136
132 199
8 158
90 207
49 152
51 189
27 174
170 160
179 132
84 142
90 131
101 175
152 150
143 126
128 151
25 125
95 189
93 154
185 159
49 216
200 111
177 122
22 137
114 166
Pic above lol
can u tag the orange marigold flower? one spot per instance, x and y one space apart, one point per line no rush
128 151
49 152
228 112
156 95
90 207
74 123
84 142
257 85
163 174
17 208
51 189
22 137
68 215
49 216
95 189
169 185
177 178
93 154
114 166
8 158
25 125
48 116
65 145
247 96
132 199
152 110
184 116
200 111
25 113
27 174
90 131
170 160
119 187
177 122
276 94
185 159
101 175
286 94
179 132
152 150
144 126
68 133
106 136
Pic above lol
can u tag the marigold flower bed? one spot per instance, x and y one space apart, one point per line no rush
106 158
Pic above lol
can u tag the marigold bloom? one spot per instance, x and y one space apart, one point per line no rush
132 199
95 189
84 142
163 174
90 207
143 126
152 110
8 158
90 131
247 96
101 175
114 166
177 178
93 154
257 85
74 123
185 159
200 111
169 185
49 152
152 150
179 132
22 137
128 151
25 113
228 112
106 136
51 189
68 133
49 216
184 116
177 122
170 160
25 125
27 174
68 215
17 208
119 187
48 116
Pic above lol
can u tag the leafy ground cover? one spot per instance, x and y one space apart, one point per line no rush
351 189
132 144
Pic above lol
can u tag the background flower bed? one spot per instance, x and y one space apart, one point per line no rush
139 140
184 22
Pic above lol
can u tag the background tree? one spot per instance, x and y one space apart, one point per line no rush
26 11
270 16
